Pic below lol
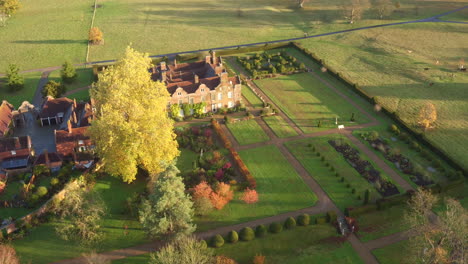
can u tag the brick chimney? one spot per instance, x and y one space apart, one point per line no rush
47 160
74 102
163 76
175 63
70 127
163 66
214 60
196 78
170 76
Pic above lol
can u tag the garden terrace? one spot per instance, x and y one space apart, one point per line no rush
270 63
383 185
279 187
343 185
310 103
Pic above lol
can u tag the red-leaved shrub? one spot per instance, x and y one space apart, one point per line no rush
250 196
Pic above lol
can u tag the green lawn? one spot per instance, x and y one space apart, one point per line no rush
251 97
336 190
247 132
82 95
459 193
140 259
84 78
31 80
306 100
279 126
395 253
302 245
279 186
42 245
389 64
46 33
185 160
382 223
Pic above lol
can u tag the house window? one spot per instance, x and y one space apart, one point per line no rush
179 93
220 96
82 149
213 96
230 104
229 94
13 152
203 98
180 102
190 100
220 105
213 107
202 90
80 142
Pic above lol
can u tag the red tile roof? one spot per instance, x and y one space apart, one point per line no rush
53 106
5 117
53 157
67 142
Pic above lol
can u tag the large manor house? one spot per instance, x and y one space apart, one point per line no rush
202 81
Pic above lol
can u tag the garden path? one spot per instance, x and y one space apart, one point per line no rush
77 90
37 99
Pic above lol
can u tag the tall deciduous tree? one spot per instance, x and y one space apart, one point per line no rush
54 89
15 81
427 116
168 211
131 127
9 7
383 8
185 250
96 36
352 10
441 240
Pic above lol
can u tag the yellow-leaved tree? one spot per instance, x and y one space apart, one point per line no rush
131 128
427 116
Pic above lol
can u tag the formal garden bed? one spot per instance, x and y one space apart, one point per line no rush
247 132
270 63
382 184
329 168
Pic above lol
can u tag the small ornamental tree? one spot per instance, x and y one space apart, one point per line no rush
217 241
250 196
54 89
68 72
290 223
183 250
246 234
9 7
303 220
202 190
15 81
95 36
202 206
258 259
276 228
222 196
224 260
260 231
232 237
427 116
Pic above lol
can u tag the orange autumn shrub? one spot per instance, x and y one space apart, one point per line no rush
259 259
225 191
250 196
218 201
202 190
224 260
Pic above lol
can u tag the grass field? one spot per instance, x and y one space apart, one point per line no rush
302 245
248 132
306 100
279 186
389 64
382 223
31 81
42 245
251 97
336 190
279 126
395 253
46 33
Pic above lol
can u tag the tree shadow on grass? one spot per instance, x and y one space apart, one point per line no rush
51 41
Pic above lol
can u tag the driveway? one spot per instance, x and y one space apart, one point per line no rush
42 137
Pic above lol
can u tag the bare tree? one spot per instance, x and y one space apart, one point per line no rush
301 3
382 7
352 10
437 240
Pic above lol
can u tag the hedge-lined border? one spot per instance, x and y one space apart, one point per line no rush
393 115
237 159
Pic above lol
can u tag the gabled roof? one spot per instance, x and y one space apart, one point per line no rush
5 117
15 143
67 142
53 157
52 107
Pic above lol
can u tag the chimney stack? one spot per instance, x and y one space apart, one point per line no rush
47 160
213 57
74 102
175 63
197 79
224 78
163 76
163 66
69 126
153 70
170 76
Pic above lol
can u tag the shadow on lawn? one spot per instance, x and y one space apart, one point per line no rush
51 41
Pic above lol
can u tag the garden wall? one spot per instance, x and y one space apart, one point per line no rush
394 116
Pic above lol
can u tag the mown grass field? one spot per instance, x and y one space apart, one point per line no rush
31 80
248 132
382 223
46 33
42 245
279 126
306 100
279 186
389 63
336 190
395 253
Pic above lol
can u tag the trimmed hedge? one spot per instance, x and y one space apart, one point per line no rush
290 223
321 220
331 216
217 241
276 228
303 220
260 231
232 237
246 234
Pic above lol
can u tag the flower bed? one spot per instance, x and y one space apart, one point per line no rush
417 174
365 168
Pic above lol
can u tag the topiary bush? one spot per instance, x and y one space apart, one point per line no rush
260 231
41 191
303 220
232 237
217 241
290 223
331 216
246 234
276 228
